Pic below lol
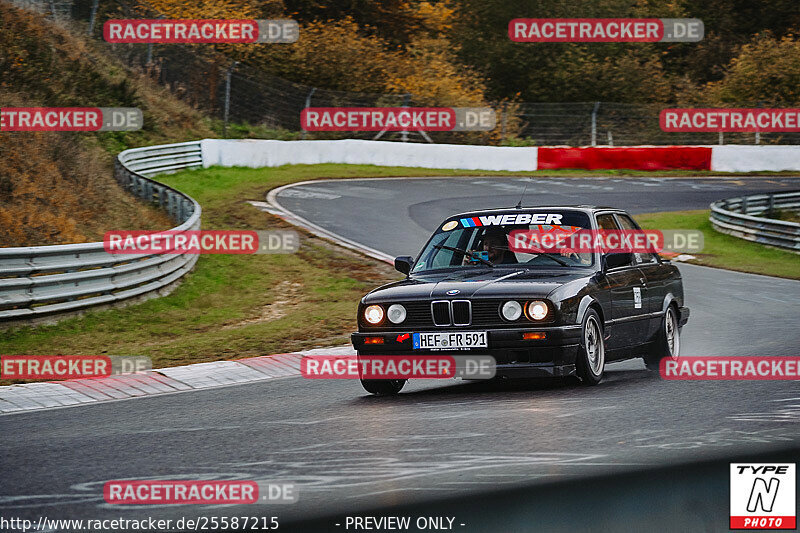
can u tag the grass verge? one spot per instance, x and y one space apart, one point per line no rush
243 306
724 251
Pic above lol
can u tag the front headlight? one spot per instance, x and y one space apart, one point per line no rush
396 313
373 314
537 310
511 310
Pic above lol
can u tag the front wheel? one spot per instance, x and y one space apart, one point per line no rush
383 387
668 342
592 351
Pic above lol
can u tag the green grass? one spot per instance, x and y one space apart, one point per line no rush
337 170
725 251
235 306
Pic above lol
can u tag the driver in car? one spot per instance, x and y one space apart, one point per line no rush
495 243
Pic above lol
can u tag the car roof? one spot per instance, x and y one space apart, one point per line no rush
504 210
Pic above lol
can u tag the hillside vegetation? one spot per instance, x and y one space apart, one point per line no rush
58 188
451 52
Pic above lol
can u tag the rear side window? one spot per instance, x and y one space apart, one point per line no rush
627 223
607 222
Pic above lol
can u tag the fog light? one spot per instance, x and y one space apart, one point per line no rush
396 313
511 310
533 336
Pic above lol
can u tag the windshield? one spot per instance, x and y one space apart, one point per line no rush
487 241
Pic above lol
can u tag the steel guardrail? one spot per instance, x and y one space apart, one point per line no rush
748 217
48 281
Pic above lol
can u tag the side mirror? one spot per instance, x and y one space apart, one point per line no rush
616 260
403 264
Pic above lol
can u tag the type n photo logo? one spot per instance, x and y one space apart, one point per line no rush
763 496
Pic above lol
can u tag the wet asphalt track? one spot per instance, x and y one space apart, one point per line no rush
349 451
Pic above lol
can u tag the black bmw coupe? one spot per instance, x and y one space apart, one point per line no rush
538 312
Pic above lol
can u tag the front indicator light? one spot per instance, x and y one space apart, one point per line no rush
373 340
536 310
533 336
373 314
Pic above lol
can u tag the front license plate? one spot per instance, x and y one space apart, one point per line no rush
451 340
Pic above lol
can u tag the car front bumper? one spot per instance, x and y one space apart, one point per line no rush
552 356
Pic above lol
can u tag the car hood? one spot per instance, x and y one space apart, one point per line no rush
495 283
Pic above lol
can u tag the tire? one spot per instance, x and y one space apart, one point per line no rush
667 343
383 387
592 350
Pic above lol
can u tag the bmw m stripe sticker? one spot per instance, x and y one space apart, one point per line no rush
471 222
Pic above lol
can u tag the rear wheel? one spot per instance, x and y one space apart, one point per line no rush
383 387
592 351
667 343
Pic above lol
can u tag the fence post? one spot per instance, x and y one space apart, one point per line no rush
93 16
404 133
610 138
770 204
758 133
744 205
308 104
504 122
594 123
721 138
226 111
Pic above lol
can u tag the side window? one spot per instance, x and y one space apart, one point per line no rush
626 223
607 222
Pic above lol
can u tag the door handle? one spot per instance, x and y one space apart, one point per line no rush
642 281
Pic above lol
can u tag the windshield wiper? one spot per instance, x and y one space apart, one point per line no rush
471 255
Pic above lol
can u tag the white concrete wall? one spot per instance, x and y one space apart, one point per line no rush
268 153
746 158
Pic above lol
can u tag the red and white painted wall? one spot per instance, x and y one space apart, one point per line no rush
723 158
